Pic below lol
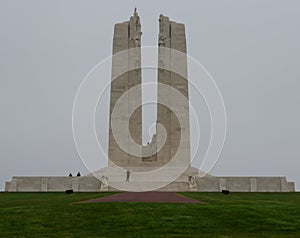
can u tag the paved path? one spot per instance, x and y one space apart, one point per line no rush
163 197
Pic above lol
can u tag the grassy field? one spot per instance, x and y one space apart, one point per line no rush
234 215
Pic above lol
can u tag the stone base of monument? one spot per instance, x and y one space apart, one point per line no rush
142 186
108 179
140 181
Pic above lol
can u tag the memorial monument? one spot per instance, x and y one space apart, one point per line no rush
124 167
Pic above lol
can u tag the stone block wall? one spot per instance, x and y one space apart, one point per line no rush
53 184
244 184
204 184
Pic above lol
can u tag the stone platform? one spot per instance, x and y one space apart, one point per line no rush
115 178
191 180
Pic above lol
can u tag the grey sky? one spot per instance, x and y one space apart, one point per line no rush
251 48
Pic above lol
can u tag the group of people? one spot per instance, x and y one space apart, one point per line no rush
127 175
78 174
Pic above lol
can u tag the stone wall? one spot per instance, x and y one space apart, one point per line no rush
244 184
53 184
204 184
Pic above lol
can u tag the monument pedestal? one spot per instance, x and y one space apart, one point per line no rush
115 178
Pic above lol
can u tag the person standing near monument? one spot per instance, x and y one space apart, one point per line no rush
127 175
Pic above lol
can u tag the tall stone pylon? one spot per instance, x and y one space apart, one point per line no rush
127 35
172 36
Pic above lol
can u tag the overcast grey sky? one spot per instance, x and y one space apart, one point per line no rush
251 48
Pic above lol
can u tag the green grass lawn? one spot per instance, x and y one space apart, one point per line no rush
234 215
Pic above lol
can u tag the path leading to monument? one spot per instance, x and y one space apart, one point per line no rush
160 197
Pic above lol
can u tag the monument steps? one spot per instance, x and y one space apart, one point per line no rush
147 186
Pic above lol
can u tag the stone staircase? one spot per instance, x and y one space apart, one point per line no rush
139 181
